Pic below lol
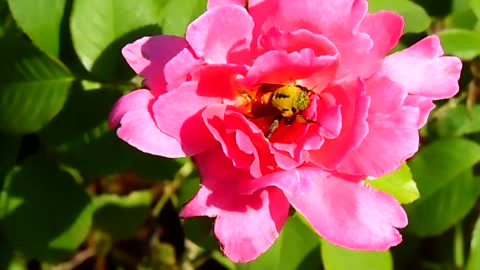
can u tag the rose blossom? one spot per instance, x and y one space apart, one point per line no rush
209 96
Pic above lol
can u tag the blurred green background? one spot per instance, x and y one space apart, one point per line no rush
74 196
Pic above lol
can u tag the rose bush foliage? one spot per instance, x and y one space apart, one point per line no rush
362 121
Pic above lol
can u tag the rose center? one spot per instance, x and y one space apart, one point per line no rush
276 104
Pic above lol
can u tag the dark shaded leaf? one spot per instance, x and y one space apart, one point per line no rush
46 214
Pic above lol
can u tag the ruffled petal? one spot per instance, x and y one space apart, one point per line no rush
392 139
242 141
296 41
279 67
138 128
378 34
425 105
348 214
393 134
385 29
178 70
222 34
149 55
350 95
329 116
178 114
422 71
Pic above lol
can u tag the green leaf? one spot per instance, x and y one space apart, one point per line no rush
443 172
46 214
179 14
473 262
121 216
475 5
460 5
188 189
436 164
464 19
415 17
459 121
41 21
399 184
337 258
101 28
445 207
297 247
33 87
199 231
461 42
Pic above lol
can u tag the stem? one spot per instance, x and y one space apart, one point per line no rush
170 187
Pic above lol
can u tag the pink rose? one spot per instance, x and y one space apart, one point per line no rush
287 103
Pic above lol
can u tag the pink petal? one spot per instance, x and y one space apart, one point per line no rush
281 67
392 139
296 41
378 34
425 105
246 234
218 80
348 214
422 71
329 116
242 141
351 96
246 225
217 3
178 114
220 182
221 33
149 55
178 70
385 29
351 49
138 128
330 18
386 95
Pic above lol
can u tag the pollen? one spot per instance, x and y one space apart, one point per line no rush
244 102
265 98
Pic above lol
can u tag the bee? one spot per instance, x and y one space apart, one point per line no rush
284 102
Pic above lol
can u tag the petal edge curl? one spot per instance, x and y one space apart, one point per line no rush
423 71
137 126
